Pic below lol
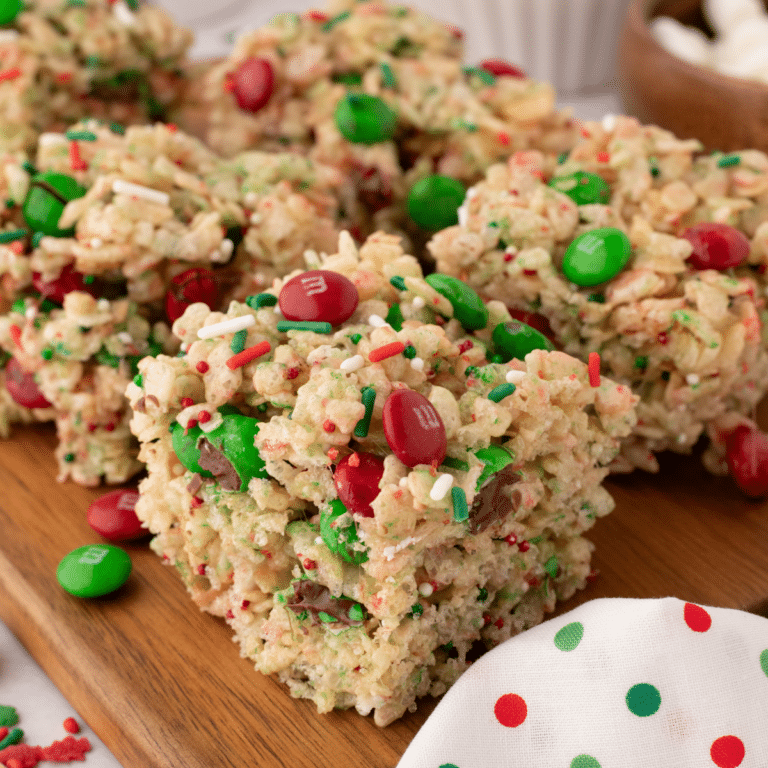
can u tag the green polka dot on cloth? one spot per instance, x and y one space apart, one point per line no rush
569 637
449 765
643 699
764 661
584 761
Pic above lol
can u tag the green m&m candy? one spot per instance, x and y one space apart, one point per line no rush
468 307
339 539
495 459
9 10
48 193
94 570
185 441
433 203
364 119
596 256
514 340
583 188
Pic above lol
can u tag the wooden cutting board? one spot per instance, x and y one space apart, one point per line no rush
163 685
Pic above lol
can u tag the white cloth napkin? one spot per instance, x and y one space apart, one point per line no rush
615 683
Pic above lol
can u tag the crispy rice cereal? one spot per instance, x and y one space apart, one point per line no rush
65 61
450 119
82 357
359 611
689 342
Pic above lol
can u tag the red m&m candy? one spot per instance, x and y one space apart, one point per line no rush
716 246
194 285
22 387
413 428
113 516
253 83
55 290
319 296
357 482
747 456
501 68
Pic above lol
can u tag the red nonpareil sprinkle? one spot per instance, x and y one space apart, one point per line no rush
388 350
663 338
316 15
91 427
201 569
110 427
329 426
202 367
9 74
15 334
204 417
511 539
229 614
245 604
64 77
247 355
76 163
464 346
192 423
508 257
585 133
172 127
309 565
71 726
523 546
266 553
593 368
603 157
529 272
17 246
499 623
503 138
186 402
333 454
486 619
593 574
196 502
292 373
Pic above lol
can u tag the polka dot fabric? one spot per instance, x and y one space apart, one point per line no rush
630 683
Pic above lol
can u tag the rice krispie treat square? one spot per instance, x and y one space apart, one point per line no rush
363 499
586 256
63 61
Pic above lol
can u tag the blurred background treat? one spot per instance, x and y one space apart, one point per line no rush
569 43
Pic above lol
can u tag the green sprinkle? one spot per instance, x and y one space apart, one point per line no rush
348 78
395 317
482 595
237 344
138 380
551 566
728 160
36 238
303 325
14 737
356 612
117 128
448 647
388 79
261 300
133 4
409 352
452 463
104 357
47 305
69 458
483 74
665 375
460 510
10 203
47 353
398 282
13 234
92 61
417 609
355 338
641 361
261 407
19 306
88 279
331 23
81 136
29 168
562 158
326 618
598 298
499 359
503 390
471 371
8 716
304 615
368 397
654 168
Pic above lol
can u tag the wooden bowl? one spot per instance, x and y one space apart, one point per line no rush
725 113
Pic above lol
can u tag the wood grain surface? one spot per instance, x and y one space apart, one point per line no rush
163 684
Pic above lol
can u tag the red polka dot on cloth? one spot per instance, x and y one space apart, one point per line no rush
614 682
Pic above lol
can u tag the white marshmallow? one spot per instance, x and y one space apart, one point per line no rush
722 15
687 43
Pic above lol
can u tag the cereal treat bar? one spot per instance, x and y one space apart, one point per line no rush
71 365
360 499
64 61
153 214
380 92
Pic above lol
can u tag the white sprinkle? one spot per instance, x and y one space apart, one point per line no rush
417 364
515 377
251 198
49 139
609 122
318 540
426 589
692 379
226 247
255 218
441 487
30 312
96 242
123 14
353 363
125 337
403 483
103 305
217 257
377 321
8 36
260 279
276 309
121 187
419 302
390 552
681 439
231 325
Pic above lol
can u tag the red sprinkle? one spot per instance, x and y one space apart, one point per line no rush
292 373
523 546
663 338
110 427
15 333
511 539
388 350
202 367
248 355
309 565
503 138
203 417
508 257
186 402
499 623
593 368
229 614
71 726
333 454
197 502
64 77
10 74
245 604
354 460
3 732
486 619
192 423
329 426
27 756
76 163
201 569
464 346
172 127
603 157
316 15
